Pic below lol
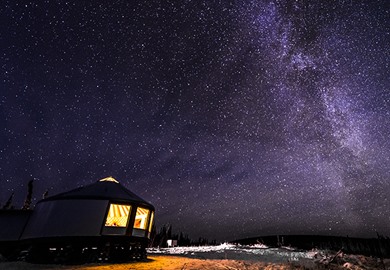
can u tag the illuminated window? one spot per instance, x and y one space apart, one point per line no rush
141 218
151 221
118 215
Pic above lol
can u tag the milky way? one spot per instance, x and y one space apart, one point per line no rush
234 118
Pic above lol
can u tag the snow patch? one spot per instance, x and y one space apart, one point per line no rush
231 251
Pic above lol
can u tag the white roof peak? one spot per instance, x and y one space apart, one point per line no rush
109 179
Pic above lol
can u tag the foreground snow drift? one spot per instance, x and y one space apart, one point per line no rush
297 259
237 252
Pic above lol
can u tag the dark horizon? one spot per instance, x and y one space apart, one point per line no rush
232 118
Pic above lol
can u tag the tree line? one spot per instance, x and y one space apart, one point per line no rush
159 237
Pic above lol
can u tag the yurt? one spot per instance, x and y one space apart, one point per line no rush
98 222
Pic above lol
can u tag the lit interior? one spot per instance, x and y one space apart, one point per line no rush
141 218
109 179
151 221
118 215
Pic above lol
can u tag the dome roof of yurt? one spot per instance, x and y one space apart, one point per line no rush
104 189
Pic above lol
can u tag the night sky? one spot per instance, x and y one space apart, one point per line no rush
233 118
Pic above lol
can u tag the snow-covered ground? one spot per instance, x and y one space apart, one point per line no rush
276 256
227 256
237 252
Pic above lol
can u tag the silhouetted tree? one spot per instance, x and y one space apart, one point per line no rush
153 235
162 238
169 231
27 201
8 204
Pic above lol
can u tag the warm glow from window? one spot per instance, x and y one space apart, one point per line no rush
118 215
151 221
141 218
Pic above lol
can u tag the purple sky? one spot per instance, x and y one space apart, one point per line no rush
233 118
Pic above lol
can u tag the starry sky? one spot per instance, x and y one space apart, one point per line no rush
234 118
